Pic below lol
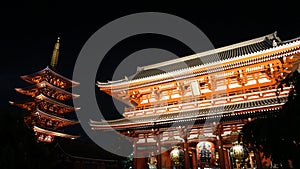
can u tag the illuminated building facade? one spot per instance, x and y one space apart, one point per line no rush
201 102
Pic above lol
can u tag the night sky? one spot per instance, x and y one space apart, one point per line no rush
29 30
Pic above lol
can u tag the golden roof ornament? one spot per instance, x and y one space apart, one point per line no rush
55 53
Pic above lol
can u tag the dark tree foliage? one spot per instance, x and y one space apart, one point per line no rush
279 135
18 146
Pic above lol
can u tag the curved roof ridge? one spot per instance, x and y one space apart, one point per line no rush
49 99
74 83
57 117
38 85
52 132
291 40
211 63
213 51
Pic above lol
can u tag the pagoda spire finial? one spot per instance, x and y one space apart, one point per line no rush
55 53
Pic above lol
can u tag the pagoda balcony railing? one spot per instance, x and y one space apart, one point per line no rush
190 103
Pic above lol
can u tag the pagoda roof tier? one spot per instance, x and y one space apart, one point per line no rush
249 52
50 76
44 103
46 89
53 133
227 111
63 121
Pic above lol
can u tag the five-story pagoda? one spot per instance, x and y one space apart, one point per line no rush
47 107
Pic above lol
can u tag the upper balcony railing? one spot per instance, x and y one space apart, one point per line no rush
195 102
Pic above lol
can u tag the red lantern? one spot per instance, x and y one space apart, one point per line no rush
205 152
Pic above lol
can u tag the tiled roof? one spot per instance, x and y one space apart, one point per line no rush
54 133
31 103
54 116
36 89
69 83
219 54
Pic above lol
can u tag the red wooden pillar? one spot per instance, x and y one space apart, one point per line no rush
158 152
186 154
194 158
227 159
218 132
258 159
221 152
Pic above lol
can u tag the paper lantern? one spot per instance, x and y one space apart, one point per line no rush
205 152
